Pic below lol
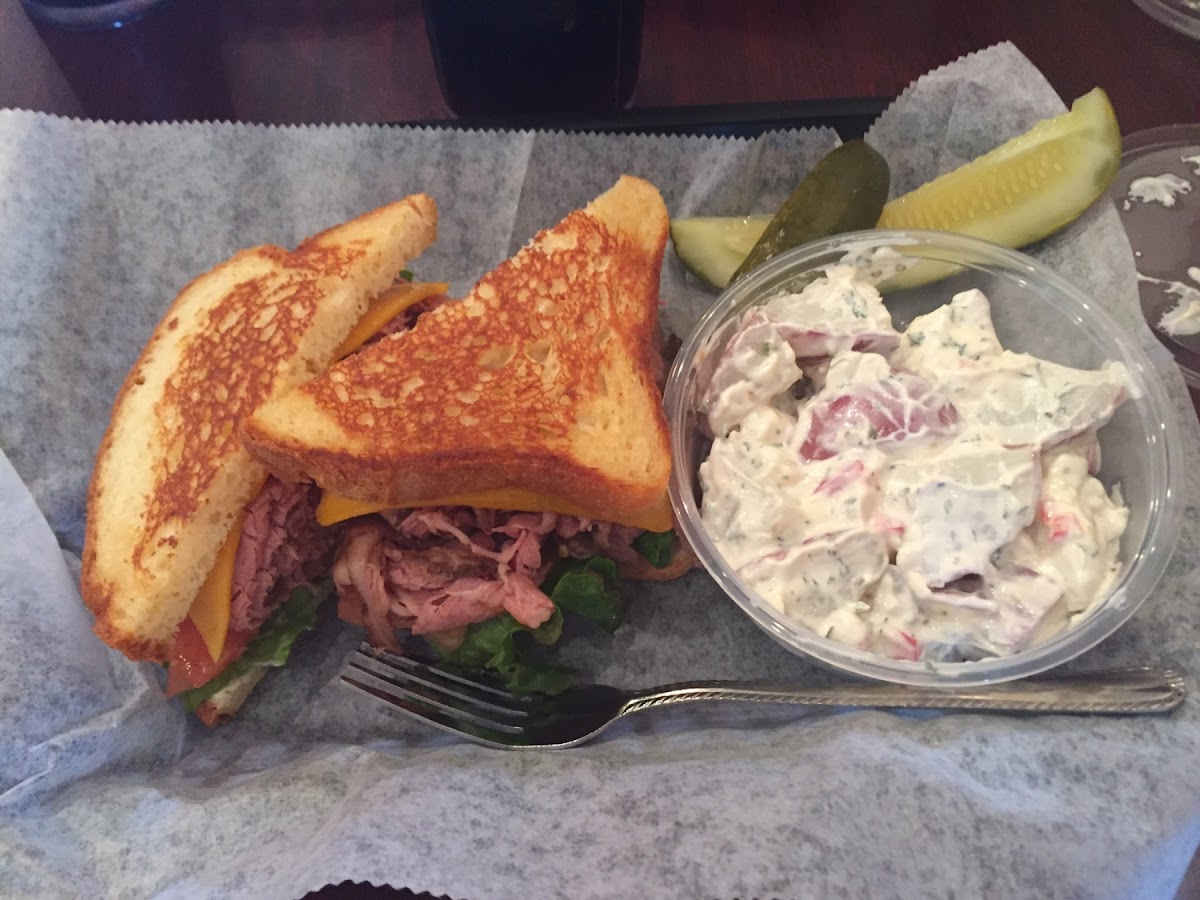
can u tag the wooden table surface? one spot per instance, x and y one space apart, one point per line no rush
313 61
293 61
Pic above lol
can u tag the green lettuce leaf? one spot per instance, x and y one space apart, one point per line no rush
499 646
588 587
271 647
655 546
492 646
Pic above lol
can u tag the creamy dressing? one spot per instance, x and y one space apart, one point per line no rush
1156 189
925 495
1184 317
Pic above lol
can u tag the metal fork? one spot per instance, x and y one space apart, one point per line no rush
488 714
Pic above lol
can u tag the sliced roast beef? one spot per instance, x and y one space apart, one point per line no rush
281 546
437 569
436 566
466 601
525 602
358 575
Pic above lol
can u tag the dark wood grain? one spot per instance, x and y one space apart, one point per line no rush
783 50
292 61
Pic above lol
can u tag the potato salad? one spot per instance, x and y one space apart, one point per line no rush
924 495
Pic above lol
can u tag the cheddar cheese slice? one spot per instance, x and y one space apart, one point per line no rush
334 508
210 611
386 307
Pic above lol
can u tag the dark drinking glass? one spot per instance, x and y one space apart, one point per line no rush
84 15
529 56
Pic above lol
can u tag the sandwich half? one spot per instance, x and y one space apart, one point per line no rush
502 438
180 517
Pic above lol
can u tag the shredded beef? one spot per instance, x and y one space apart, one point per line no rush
583 538
438 569
281 546
358 574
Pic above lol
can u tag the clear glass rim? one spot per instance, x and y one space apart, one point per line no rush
1181 19
1155 410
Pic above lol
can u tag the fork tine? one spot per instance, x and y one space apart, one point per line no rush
448 702
431 715
429 669
434 689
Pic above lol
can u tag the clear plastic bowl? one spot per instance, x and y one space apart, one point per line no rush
1035 311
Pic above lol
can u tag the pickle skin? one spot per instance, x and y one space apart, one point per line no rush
712 247
1020 192
845 191
1027 188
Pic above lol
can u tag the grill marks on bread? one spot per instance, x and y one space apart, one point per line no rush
519 351
247 342
541 378
170 475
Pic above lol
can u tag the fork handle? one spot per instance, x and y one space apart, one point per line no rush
1111 692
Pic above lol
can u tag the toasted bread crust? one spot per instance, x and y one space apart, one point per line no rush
541 378
170 474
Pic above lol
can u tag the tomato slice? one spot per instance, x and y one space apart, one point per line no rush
191 665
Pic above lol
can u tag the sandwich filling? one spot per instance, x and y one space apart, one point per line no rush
280 544
485 587
433 571
280 547
436 570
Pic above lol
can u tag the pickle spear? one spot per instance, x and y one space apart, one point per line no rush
1020 192
712 247
845 191
1027 188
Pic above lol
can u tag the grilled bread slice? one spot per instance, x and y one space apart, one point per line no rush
171 476
536 390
